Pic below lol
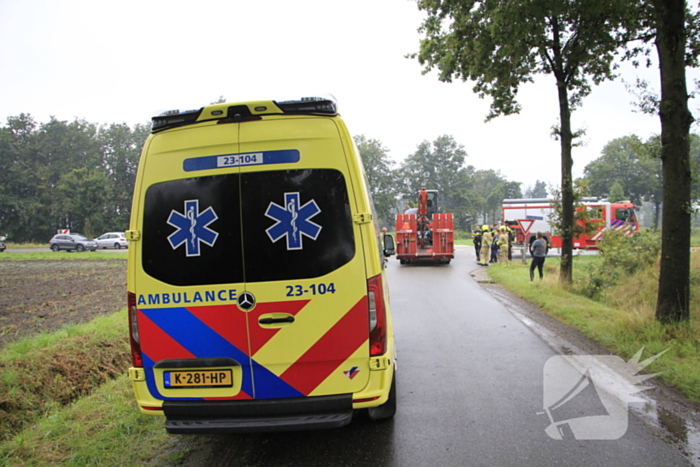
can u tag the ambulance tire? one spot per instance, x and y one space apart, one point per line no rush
387 409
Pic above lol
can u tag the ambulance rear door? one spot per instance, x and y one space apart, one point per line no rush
305 287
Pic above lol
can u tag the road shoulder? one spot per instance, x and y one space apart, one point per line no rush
666 412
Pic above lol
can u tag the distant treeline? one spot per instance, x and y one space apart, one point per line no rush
66 175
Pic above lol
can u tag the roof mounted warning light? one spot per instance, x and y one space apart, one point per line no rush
174 118
309 105
245 112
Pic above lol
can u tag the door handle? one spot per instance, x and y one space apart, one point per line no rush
286 319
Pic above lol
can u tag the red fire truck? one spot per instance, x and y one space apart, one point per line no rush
529 216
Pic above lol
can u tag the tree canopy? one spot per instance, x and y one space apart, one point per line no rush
539 190
380 176
501 45
624 162
471 195
66 175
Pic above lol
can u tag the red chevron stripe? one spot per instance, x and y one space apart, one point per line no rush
324 357
159 345
240 396
228 321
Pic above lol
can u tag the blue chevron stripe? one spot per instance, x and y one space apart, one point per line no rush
203 342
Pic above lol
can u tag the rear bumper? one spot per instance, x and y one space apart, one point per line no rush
308 413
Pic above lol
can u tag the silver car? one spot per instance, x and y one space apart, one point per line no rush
72 242
115 240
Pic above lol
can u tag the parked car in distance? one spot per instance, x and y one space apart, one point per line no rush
2 247
112 240
72 242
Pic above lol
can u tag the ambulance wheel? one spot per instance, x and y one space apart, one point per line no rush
402 261
387 409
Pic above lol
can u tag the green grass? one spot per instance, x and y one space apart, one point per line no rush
623 321
25 246
65 399
104 428
695 237
62 255
54 369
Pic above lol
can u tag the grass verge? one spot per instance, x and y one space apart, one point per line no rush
12 245
52 370
65 399
62 255
623 321
104 428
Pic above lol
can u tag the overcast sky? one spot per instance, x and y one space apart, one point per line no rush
114 62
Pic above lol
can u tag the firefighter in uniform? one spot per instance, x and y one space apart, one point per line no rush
486 240
503 244
494 247
476 238
511 240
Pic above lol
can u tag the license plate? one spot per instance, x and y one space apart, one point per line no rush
198 379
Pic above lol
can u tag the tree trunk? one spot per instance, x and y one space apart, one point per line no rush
567 186
673 300
567 189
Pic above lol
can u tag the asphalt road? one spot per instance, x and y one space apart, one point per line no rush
470 392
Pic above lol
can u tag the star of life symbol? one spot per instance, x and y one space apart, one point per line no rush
587 397
192 228
293 221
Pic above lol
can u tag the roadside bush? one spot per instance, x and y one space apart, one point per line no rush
462 235
630 253
622 255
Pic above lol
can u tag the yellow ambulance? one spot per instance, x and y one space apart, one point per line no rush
256 286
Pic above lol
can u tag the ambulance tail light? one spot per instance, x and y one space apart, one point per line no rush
377 317
136 359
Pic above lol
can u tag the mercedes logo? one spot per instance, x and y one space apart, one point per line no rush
246 301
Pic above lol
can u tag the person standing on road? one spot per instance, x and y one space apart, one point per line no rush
476 238
503 246
538 250
494 247
486 240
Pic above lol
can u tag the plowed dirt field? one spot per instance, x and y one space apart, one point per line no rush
38 296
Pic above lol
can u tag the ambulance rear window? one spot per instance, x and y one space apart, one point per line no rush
254 227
